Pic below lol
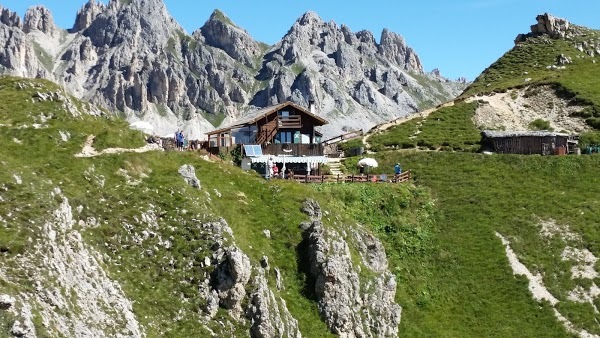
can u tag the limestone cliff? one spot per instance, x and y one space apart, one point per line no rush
134 58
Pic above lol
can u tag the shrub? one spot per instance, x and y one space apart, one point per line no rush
540 124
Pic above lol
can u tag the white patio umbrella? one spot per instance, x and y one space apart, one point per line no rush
145 127
367 162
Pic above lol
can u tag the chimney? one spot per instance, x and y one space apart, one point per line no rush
311 107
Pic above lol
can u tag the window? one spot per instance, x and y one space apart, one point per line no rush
284 114
284 137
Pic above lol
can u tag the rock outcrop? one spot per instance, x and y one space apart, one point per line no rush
9 18
549 25
71 293
132 57
349 306
87 14
39 18
188 173
220 32
269 315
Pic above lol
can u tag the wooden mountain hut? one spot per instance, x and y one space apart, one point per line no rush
529 142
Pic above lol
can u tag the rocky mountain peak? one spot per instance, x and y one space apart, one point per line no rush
131 56
10 18
551 25
39 18
87 14
220 32
547 24
144 23
393 47
310 18
218 15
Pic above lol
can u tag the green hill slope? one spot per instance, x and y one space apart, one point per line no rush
546 208
569 63
120 245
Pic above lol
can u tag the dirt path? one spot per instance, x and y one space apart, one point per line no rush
89 151
384 126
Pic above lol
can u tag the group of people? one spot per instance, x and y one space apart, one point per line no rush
180 140
274 172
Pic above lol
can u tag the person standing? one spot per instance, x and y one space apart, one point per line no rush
180 140
398 169
269 169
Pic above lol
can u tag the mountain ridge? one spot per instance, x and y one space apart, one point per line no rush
134 58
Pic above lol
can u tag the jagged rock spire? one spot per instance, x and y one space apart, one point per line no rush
220 32
394 48
87 14
39 18
10 18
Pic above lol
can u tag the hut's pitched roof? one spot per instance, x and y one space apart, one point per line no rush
255 115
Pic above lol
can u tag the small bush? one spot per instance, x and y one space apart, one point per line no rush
540 124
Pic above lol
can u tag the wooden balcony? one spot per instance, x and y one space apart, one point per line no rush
297 149
290 122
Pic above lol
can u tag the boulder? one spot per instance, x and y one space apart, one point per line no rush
188 173
6 302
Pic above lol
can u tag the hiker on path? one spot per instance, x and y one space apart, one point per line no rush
398 169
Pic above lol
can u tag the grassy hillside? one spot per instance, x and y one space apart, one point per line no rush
529 64
449 128
470 287
453 277
138 203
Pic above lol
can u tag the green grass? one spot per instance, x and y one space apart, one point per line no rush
453 277
468 288
540 124
162 281
449 128
223 18
529 60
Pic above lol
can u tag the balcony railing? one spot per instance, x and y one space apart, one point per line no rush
297 149
288 122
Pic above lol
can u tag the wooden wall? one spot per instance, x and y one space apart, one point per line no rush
543 145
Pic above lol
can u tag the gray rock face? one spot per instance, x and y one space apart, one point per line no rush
221 33
131 56
87 14
341 295
547 24
230 280
551 25
394 48
17 54
39 18
9 18
267 317
188 173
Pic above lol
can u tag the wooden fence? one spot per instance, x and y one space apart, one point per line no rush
381 178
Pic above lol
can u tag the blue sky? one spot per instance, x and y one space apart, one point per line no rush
460 37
